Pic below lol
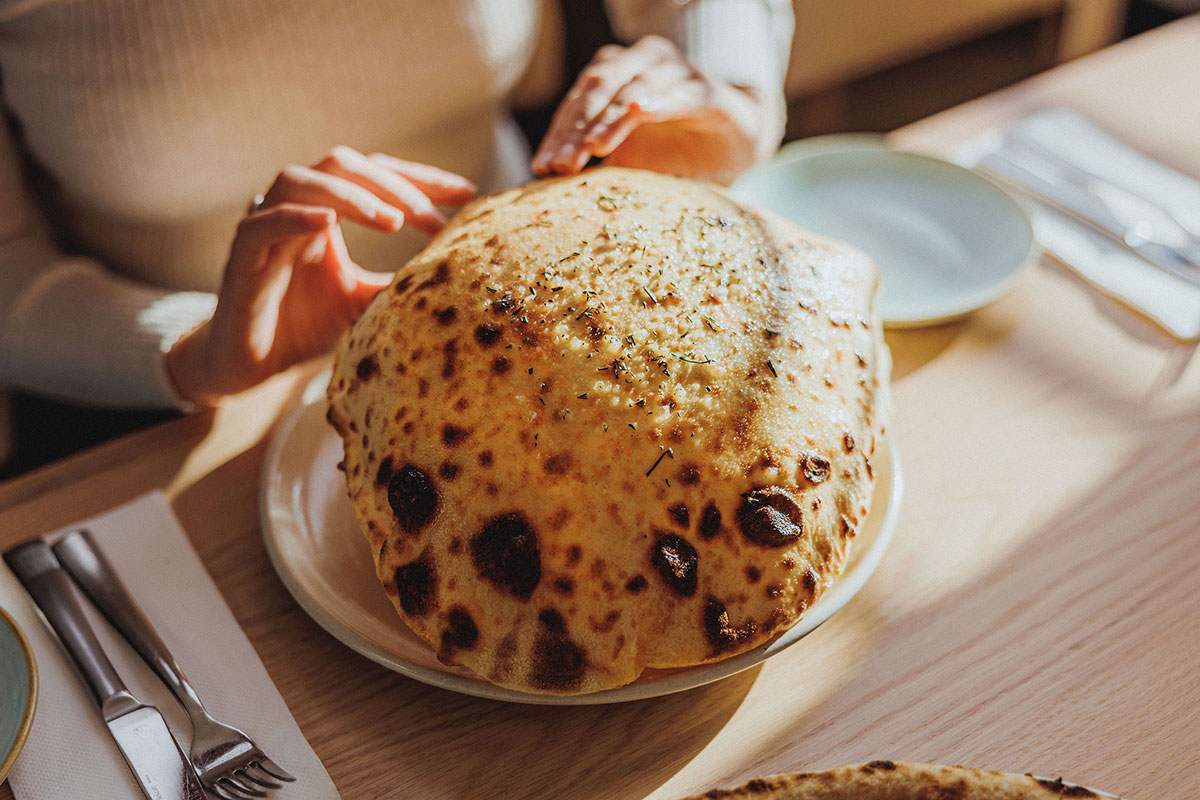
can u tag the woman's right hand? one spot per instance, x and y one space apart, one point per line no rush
290 288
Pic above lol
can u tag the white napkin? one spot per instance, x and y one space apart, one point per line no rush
1170 301
69 754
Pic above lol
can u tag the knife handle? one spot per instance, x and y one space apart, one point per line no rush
51 589
83 559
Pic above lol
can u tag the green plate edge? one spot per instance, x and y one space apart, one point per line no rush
9 757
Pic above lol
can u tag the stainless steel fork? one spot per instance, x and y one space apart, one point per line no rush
230 765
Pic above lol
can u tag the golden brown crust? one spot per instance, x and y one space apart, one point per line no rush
889 780
611 422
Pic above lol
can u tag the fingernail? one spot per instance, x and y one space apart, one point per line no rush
428 215
394 219
563 157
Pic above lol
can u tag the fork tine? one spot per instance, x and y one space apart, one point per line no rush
246 773
225 793
243 787
274 770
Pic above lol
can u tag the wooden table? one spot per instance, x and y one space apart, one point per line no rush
1039 609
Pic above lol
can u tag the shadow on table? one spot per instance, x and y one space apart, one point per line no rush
616 751
485 748
913 348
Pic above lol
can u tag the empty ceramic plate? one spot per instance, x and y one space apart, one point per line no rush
946 240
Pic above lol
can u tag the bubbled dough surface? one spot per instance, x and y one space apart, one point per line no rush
887 780
535 371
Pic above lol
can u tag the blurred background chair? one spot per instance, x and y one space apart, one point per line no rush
879 64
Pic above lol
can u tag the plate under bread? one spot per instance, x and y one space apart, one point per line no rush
323 559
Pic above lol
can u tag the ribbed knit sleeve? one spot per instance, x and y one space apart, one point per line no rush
69 328
724 38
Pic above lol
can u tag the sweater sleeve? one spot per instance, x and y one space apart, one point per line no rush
743 42
71 329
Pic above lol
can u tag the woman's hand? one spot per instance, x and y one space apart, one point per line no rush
646 106
290 288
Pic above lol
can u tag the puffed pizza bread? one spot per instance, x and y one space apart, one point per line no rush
899 780
611 422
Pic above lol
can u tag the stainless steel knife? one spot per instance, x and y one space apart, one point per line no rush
1129 206
1027 176
153 755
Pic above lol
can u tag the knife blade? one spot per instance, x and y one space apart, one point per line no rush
151 752
1130 206
153 755
1092 211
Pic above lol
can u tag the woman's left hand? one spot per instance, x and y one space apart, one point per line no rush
647 106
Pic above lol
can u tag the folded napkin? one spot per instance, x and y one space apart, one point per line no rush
1170 301
69 754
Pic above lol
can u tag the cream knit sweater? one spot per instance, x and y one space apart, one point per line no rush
146 125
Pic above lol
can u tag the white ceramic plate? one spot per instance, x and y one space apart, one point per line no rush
946 240
316 547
